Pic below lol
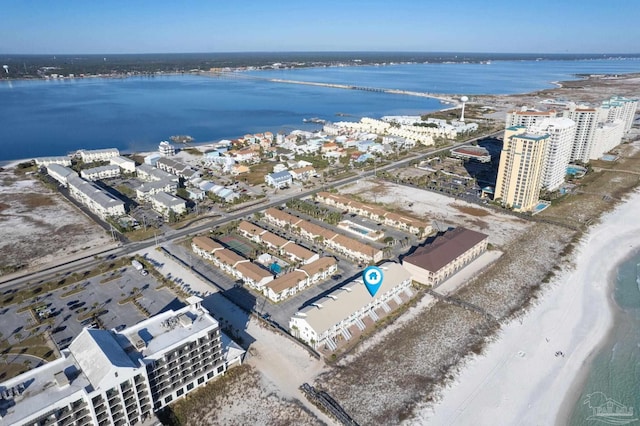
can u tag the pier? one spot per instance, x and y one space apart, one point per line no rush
444 98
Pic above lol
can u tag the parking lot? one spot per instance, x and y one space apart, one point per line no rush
73 307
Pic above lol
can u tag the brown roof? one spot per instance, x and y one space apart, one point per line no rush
286 281
408 220
250 228
273 239
253 271
445 249
229 257
323 263
314 229
284 216
206 244
298 251
355 245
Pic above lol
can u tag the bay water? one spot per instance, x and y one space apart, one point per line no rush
54 117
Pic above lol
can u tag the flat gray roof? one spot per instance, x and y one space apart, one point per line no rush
354 296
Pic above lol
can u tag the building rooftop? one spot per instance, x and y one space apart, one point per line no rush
99 355
280 176
353 297
253 272
37 389
166 331
229 257
250 228
275 240
444 249
286 281
94 192
206 244
296 250
61 170
321 264
167 199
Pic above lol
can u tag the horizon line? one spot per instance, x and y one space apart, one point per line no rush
330 51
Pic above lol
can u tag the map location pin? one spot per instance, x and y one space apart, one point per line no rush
372 277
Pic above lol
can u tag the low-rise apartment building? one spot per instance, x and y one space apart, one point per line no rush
165 203
147 189
447 254
290 284
126 164
60 173
332 317
396 220
121 378
342 244
101 172
95 198
149 174
93 155
232 263
283 247
45 161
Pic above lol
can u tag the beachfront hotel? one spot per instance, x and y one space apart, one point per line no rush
521 168
121 378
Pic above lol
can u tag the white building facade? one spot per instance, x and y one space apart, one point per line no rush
561 133
121 378
331 318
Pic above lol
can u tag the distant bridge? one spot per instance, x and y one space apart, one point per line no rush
239 75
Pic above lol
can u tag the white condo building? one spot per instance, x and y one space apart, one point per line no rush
332 317
561 133
121 378
95 198
91 155
586 119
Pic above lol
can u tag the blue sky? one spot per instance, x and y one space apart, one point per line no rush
158 26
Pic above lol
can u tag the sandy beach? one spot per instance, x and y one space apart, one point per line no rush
520 380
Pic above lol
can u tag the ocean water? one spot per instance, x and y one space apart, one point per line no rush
41 118
615 372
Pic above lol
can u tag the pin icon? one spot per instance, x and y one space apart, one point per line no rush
372 277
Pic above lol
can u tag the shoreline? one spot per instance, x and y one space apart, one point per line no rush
518 374
571 399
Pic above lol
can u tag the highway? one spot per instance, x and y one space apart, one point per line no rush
50 272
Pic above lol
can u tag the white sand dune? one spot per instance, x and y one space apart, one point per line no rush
519 380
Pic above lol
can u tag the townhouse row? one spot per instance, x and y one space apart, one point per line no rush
377 214
343 245
259 279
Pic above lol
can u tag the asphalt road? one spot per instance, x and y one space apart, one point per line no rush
131 247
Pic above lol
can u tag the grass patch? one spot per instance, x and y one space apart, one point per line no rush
110 278
72 292
257 173
471 211
141 234
91 314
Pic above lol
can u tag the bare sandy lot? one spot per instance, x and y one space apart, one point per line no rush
38 225
501 228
